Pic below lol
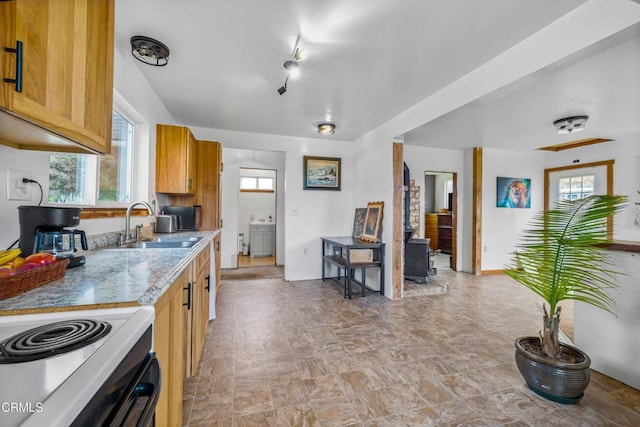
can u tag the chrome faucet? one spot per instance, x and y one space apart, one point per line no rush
128 237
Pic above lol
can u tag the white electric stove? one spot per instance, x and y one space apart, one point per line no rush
86 354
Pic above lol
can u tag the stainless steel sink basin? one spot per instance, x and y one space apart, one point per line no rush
163 242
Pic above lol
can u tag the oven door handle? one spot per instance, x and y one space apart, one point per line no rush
147 384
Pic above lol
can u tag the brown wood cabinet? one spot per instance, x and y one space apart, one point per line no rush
66 77
218 272
175 160
208 192
201 290
180 330
445 233
168 344
431 229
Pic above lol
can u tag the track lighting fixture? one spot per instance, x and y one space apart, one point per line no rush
282 89
293 71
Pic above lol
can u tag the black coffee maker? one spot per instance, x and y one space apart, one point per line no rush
43 229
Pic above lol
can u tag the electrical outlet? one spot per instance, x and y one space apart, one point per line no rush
294 212
306 251
484 249
16 189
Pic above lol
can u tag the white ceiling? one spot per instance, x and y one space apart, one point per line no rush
369 60
602 82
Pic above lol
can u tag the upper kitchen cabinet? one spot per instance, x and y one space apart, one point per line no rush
175 160
57 74
207 194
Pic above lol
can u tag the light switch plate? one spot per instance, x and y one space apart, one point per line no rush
16 189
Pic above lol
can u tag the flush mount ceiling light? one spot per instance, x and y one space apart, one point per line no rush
149 51
570 124
326 128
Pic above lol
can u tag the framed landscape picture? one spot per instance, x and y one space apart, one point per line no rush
321 173
373 222
513 193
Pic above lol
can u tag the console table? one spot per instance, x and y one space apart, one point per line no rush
346 253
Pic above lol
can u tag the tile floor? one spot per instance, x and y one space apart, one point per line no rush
298 354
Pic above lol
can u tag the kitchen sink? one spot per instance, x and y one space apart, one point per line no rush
162 242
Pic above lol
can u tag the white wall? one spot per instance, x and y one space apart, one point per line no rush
626 177
308 215
233 159
613 343
37 163
374 182
422 159
502 227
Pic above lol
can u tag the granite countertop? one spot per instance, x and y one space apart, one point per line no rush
112 277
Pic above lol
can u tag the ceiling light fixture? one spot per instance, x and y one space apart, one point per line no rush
326 128
293 71
570 124
149 51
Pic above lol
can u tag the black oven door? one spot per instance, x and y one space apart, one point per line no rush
139 405
130 394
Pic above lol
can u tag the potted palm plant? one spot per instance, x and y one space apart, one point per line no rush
561 258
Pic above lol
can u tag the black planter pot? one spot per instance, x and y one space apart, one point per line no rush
560 381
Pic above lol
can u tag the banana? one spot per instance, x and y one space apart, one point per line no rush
9 255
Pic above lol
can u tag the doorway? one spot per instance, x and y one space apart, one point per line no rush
257 217
439 210
575 182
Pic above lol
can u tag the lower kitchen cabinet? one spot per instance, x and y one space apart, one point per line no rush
180 331
200 270
218 272
168 345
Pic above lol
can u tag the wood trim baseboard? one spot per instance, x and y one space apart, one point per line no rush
491 272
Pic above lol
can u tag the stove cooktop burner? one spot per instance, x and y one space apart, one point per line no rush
52 339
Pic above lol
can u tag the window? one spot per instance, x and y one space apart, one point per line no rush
576 187
86 179
256 183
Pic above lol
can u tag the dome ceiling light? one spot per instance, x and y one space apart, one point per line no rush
570 124
149 51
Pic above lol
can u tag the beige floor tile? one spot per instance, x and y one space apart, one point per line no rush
261 419
298 354
323 388
334 412
301 415
252 400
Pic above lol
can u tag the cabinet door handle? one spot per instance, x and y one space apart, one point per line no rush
18 51
188 289
190 183
208 279
217 245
